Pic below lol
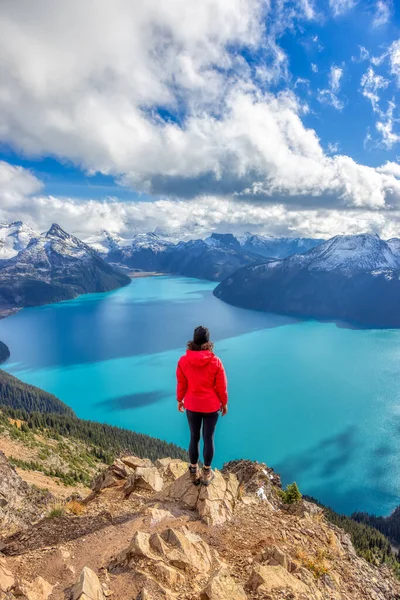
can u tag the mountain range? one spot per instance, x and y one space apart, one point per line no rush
50 267
350 278
213 258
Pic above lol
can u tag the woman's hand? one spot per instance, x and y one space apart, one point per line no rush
224 409
181 406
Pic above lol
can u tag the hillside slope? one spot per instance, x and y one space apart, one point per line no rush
146 533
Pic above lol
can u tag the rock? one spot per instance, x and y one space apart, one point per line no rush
7 580
167 575
275 556
22 505
145 478
214 503
88 586
157 515
171 468
166 562
221 586
115 475
134 462
185 550
38 589
266 579
139 546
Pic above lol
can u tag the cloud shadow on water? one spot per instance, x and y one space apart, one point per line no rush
131 401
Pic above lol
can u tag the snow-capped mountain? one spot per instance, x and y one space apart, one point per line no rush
213 258
14 237
351 278
55 266
195 258
260 245
106 241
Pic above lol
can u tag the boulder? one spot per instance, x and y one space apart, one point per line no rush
221 586
185 550
133 462
88 587
214 503
165 562
115 475
145 478
266 579
7 580
38 589
171 468
157 515
139 546
275 556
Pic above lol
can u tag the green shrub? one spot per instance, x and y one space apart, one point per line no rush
291 494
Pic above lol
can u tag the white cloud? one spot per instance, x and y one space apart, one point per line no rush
364 55
390 168
333 148
383 12
16 184
207 213
330 95
314 68
335 77
371 83
340 7
394 59
85 82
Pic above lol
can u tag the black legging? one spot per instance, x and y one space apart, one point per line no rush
209 421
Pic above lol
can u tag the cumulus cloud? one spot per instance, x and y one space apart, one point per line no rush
16 185
161 96
202 215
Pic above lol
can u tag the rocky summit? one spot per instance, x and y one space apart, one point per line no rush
146 533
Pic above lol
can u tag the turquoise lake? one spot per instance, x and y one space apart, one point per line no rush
318 402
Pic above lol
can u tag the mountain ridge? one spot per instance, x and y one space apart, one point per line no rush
348 278
52 267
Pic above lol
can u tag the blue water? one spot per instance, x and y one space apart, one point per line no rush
319 403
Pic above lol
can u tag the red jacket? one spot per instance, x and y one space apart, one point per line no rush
201 381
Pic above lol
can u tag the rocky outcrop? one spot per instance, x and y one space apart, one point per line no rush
20 505
12 587
214 504
171 468
133 473
172 558
191 543
257 481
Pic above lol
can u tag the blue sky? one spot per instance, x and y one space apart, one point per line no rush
281 117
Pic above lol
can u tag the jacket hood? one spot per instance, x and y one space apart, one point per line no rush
199 358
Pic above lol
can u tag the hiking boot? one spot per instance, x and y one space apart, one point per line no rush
207 476
194 474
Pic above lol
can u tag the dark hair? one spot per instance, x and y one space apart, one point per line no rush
201 340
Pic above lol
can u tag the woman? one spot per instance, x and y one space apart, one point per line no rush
202 392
